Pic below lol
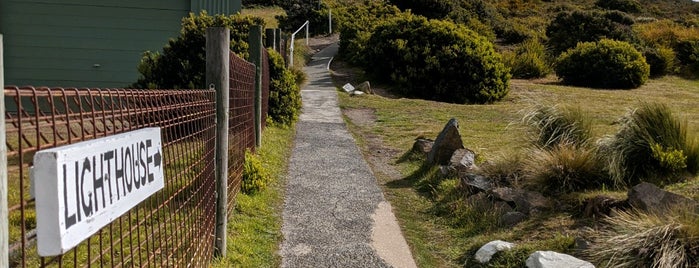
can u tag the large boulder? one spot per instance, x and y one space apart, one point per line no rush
648 197
486 252
524 201
448 141
551 259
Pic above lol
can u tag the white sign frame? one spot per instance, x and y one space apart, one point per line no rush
130 170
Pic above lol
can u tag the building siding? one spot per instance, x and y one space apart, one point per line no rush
84 43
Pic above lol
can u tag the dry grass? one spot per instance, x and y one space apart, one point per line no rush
267 13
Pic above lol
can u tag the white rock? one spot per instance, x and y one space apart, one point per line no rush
551 259
348 88
487 251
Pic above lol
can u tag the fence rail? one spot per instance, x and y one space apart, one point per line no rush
174 227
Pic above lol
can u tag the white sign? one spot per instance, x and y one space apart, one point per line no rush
82 187
348 87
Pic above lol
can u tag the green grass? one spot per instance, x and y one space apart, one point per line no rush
495 131
254 227
266 13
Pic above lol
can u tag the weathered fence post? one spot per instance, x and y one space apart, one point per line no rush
217 75
4 236
270 38
255 43
278 41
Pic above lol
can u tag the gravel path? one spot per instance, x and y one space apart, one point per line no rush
334 214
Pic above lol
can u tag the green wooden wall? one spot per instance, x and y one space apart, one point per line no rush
88 43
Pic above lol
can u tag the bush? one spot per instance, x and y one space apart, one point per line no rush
629 6
355 32
593 26
255 177
284 92
635 239
661 60
603 64
437 60
554 126
529 60
564 168
300 12
182 64
652 145
688 54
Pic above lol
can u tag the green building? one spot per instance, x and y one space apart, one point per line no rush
90 43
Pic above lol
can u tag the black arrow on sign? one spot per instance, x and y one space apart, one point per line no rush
157 159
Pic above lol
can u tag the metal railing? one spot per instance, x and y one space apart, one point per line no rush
293 38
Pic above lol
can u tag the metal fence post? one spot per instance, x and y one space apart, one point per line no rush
4 235
255 43
217 75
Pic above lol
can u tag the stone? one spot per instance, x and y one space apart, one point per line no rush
448 141
422 146
581 244
463 160
348 88
648 197
512 218
601 206
524 201
474 183
551 259
487 251
365 87
356 93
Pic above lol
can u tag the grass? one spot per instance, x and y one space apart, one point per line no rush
254 228
495 132
267 13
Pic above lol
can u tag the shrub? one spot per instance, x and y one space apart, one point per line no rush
355 32
631 154
300 12
554 126
661 60
437 60
591 26
603 64
635 239
564 168
529 60
688 54
255 177
629 6
182 64
664 33
284 92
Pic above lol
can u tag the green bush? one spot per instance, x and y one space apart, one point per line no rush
554 126
437 60
182 64
529 60
603 64
284 92
661 60
652 145
300 12
629 6
255 177
570 28
356 30
688 54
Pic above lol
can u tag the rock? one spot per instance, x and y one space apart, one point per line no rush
527 202
551 259
422 146
463 160
581 244
648 197
356 93
448 141
602 205
365 87
513 218
474 183
487 251
348 88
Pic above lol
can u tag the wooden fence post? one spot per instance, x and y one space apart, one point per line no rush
278 41
217 75
4 235
255 43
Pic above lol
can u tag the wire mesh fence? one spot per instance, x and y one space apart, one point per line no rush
172 228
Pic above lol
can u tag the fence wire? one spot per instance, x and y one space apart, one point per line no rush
174 227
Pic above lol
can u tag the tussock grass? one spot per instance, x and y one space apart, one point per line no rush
651 145
635 239
556 125
563 169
